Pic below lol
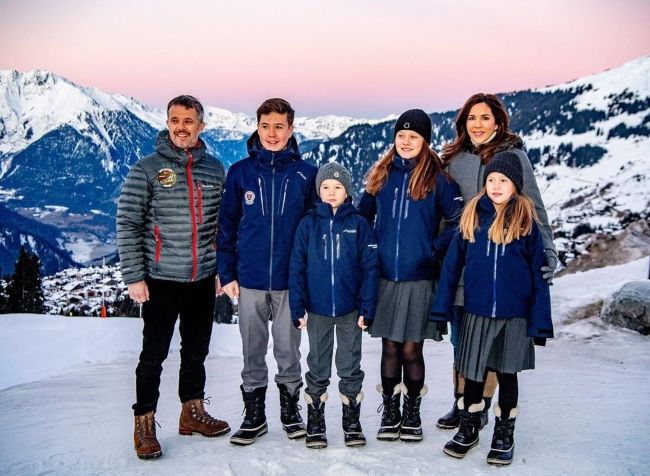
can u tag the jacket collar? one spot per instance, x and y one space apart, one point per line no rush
323 209
406 165
166 148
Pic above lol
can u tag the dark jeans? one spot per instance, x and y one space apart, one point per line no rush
194 304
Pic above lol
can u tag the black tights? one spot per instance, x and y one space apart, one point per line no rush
396 356
508 392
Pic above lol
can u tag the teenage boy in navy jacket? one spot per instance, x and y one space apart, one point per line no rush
333 283
265 196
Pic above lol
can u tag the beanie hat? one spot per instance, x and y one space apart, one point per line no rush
415 120
335 171
508 164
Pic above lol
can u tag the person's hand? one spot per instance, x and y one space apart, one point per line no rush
231 289
218 290
362 323
300 323
139 292
548 271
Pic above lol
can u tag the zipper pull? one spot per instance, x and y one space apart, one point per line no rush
325 245
338 246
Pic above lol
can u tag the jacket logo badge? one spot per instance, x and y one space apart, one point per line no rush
407 125
249 197
167 177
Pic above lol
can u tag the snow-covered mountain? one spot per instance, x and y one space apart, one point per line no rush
66 149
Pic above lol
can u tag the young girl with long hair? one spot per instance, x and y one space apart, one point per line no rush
407 196
507 302
482 130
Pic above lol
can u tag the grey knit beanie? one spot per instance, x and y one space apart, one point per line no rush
335 171
508 164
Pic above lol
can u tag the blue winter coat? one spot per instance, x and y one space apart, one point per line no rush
407 229
265 196
501 281
334 265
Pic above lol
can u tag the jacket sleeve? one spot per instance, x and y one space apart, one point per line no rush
532 190
131 212
230 214
540 323
298 271
452 269
450 201
369 271
368 207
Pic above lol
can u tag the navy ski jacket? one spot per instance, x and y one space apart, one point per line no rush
334 265
407 229
501 281
265 196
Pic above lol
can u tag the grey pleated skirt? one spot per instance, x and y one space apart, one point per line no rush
498 344
403 310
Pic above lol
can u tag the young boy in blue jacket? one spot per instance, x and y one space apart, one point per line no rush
265 196
333 279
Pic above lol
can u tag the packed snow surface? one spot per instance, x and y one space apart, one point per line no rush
67 383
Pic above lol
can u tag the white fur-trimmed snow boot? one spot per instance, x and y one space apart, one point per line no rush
503 439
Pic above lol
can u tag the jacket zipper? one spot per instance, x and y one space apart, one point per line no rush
325 246
272 221
190 184
338 246
394 201
259 184
332 274
284 195
399 225
494 280
156 234
200 200
408 196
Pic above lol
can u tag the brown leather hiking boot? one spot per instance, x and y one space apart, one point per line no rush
144 437
194 419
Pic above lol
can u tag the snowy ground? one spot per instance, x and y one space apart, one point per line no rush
66 386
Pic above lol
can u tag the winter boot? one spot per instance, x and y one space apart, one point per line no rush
144 437
485 412
290 417
503 441
254 424
411 429
352 432
194 419
391 418
467 436
451 419
316 437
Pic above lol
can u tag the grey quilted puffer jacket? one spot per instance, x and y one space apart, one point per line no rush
167 214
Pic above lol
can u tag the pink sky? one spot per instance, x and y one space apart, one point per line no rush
365 58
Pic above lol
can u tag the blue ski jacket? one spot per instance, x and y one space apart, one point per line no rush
265 196
407 229
334 265
501 281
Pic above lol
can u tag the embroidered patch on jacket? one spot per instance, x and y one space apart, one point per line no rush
167 177
249 197
349 230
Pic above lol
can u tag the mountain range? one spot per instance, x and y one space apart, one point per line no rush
65 150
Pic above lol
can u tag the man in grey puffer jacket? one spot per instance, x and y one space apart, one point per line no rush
166 237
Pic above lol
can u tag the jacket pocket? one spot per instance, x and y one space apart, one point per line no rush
156 234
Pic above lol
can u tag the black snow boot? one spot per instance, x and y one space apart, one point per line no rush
503 440
391 418
352 432
290 417
411 429
451 419
316 432
485 412
467 436
254 424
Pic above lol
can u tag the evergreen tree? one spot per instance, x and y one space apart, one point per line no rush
24 291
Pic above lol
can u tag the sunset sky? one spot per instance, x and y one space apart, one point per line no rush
365 58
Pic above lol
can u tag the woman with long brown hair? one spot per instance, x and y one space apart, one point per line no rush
482 130
407 196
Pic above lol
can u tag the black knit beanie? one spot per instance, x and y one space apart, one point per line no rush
415 120
508 164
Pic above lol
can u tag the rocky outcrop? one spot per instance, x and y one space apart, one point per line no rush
629 307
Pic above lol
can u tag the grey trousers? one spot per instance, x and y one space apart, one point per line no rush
256 308
320 330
